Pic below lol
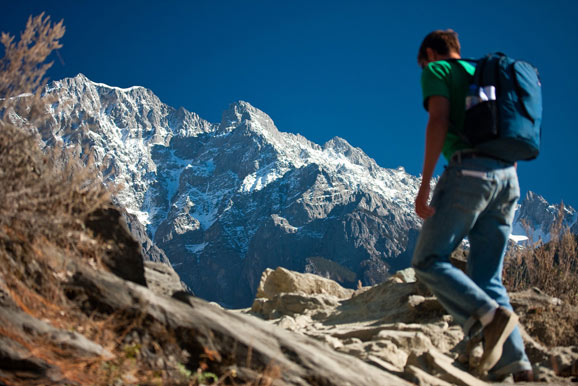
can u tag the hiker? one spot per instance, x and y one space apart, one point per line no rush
475 197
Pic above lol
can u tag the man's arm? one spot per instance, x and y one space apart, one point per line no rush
437 127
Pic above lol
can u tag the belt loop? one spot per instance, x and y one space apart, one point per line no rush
457 157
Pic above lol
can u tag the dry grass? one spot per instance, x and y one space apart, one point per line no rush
46 195
551 267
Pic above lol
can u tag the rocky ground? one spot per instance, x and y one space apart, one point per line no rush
66 321
399 327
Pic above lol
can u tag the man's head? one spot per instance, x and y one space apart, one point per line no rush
438 45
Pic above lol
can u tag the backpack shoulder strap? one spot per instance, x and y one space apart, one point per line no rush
469 60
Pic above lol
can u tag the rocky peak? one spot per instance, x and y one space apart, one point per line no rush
538 215
535 199
80 84
243 114
341 147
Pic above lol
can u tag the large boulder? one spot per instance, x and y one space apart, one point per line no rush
233 342
123 253
162 279
281 280
284 292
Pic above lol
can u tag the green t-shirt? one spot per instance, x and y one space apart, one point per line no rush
448 79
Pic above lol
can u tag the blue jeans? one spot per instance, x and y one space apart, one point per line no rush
475 197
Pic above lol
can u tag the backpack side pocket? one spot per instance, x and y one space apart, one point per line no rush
481 122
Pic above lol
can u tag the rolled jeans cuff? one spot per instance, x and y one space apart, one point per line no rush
477 316
512 368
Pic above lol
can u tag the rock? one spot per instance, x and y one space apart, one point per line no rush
150 251
398 327
537 352
389 334
390 301
549 321
443 366
123 255
162 279
235 339
26 348
420 377
281 280
565 361
331 270
23 324
318 306
405 276
18 363
530 299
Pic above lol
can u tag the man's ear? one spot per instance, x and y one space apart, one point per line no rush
432 55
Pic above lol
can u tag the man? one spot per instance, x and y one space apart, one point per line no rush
475 197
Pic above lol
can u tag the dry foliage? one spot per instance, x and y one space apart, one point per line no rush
551 267
23 69
43 193
46 195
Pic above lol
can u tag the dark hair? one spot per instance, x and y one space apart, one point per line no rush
441 41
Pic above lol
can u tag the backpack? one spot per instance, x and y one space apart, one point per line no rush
504 109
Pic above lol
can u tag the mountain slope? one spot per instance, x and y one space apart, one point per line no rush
225 201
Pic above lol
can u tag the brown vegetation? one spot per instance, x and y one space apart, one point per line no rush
551 267
46 197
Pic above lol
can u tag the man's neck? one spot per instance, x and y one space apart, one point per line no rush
451 55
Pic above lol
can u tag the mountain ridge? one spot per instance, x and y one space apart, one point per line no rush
226 200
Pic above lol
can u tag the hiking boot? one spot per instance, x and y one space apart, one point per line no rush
495 334
524 376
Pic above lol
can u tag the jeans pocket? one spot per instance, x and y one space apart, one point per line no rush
508 207
472 194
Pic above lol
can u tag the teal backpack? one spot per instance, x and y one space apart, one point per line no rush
504 109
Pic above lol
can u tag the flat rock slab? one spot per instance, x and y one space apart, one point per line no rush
240 340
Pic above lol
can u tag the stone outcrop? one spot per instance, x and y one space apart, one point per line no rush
126 254
280 280
123 253
399 327
163 280
240 344
177 335
149 249
316 333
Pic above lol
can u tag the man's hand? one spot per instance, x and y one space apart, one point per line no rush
437 127
422 207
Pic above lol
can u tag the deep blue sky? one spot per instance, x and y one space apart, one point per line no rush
322 68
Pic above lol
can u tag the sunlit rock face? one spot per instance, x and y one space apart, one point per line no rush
224 201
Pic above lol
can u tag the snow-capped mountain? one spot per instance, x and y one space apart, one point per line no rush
536 218
225 201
